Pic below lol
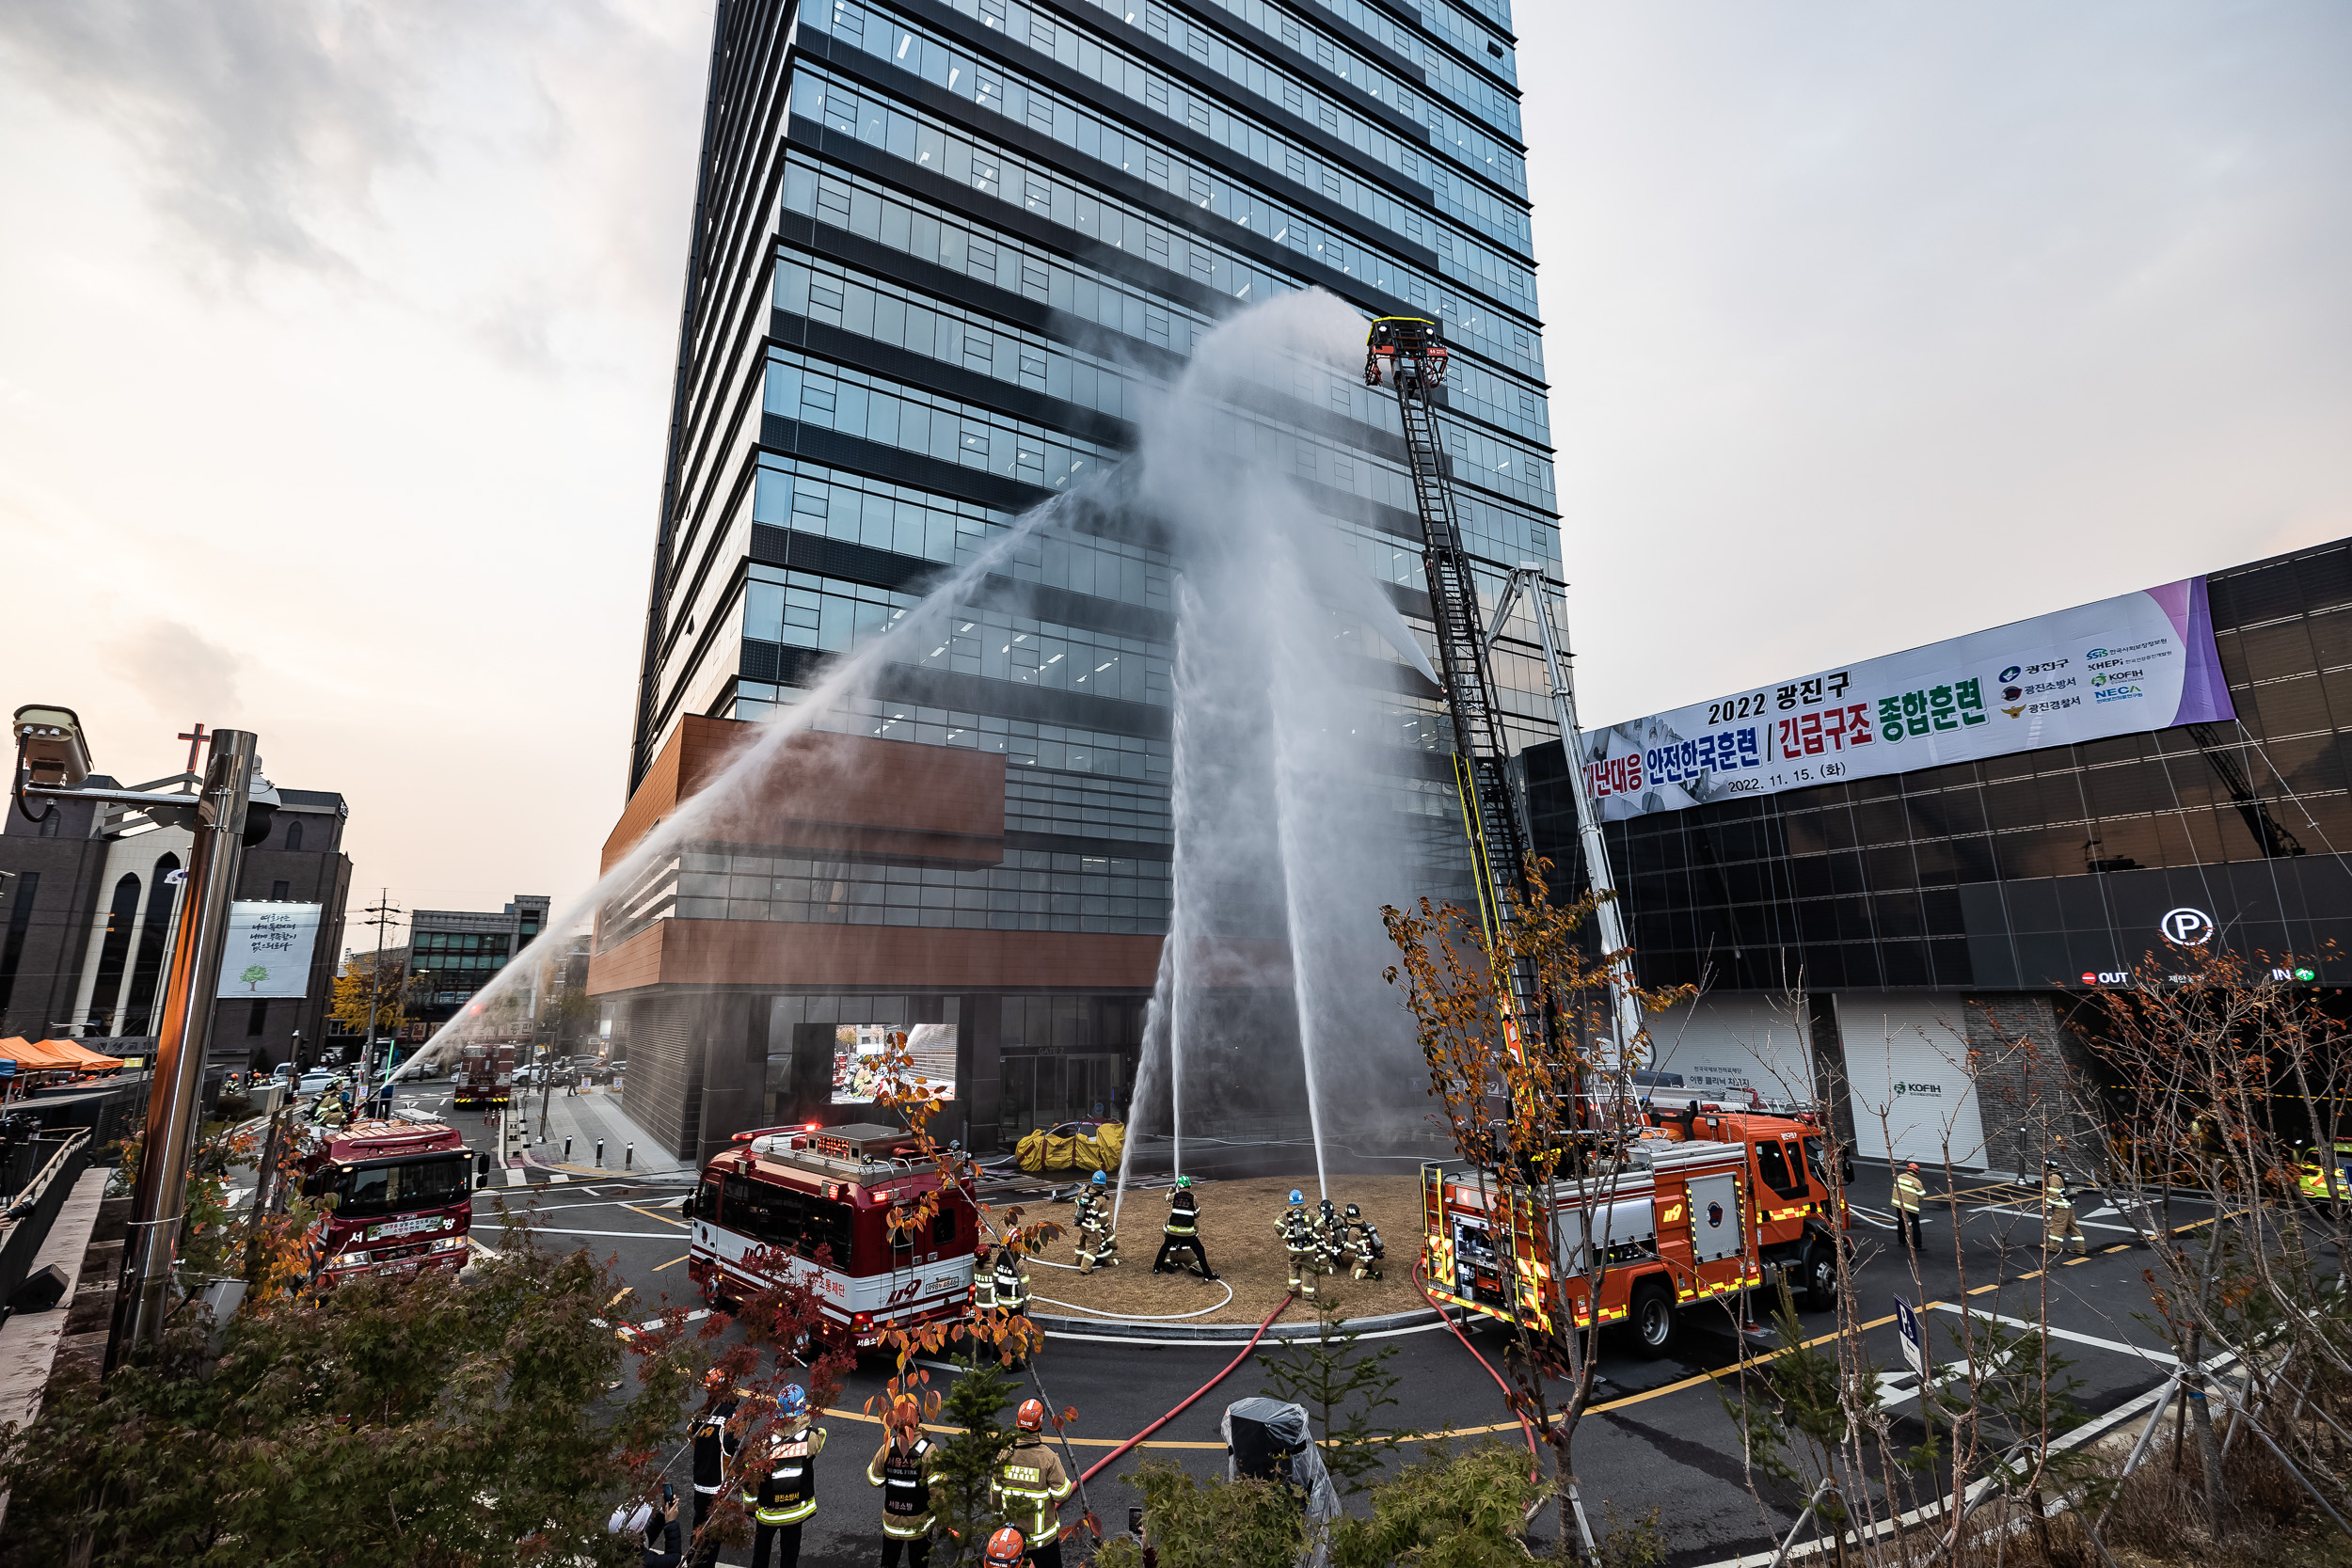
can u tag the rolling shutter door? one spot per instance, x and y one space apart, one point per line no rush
1720 1047
1907 1071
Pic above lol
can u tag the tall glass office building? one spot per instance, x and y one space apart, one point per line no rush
942 250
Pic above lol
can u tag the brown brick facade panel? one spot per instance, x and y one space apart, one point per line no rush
828 794
779 953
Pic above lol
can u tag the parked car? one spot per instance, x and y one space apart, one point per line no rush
318 1081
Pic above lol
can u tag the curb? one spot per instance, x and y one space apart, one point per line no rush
1216 1334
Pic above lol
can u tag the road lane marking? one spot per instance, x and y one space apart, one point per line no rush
651 1216
2053 1332
673 1263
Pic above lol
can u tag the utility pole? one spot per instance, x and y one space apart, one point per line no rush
387 914
181 1044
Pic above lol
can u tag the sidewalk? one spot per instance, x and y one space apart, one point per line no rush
585 1117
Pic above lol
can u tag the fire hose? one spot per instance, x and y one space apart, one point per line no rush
1526 1427
1095 1468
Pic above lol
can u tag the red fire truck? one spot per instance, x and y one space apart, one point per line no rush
1701 1206
792 1191
402 1194
485 1075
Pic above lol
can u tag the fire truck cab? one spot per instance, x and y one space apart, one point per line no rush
1727 1204
403 1198
819 1200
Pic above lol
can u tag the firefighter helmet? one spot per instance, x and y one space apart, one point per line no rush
1354 1212
1914 1165
792 1402
1006 1549
1102 1179
905 1412
715 1379
1030 1416
1297 1197
1185 1181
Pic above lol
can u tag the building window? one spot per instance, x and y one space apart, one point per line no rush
277 892
13 946
256 1019
148 966
294 838
113 954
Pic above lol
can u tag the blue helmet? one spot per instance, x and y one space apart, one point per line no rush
792 1402
1101 1179
1297 1197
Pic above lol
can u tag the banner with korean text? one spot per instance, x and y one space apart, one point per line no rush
2139 661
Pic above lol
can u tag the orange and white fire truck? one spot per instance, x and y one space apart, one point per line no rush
404 1198
818 1200
1703 1206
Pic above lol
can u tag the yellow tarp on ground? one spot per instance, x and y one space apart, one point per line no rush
1040 1152
1100 1151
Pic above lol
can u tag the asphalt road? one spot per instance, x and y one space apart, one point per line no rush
1659 1436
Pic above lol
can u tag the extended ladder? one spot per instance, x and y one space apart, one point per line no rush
1409 352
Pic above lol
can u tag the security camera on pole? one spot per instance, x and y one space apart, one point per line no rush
230 811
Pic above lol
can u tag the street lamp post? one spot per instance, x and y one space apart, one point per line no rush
181 1044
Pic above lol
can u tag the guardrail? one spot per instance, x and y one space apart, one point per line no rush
26 1224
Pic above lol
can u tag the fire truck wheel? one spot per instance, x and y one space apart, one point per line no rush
1651 1315
1819 1279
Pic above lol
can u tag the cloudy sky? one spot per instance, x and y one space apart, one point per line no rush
334 343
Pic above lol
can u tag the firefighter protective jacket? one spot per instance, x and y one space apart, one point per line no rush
785 1489
1030 1487
715 1443
906 1476
1094 1214
1012 1283
1183 1213
1296 1231
1909 1192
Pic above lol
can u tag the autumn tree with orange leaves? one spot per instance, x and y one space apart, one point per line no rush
1527 1116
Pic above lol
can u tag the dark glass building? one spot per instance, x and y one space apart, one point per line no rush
455 953
1891 929
942 251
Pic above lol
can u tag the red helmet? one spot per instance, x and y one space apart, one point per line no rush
1006 1548
1030 1416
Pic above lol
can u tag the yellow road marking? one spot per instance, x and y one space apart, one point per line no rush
674 1262
651 1216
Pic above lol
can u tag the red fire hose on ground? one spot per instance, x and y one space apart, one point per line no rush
1190 1398
1526 1428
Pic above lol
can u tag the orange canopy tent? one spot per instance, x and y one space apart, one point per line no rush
88 1060
41 1055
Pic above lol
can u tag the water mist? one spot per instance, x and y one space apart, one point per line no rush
1299 799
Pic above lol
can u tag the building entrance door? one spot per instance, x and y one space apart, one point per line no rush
1091 1084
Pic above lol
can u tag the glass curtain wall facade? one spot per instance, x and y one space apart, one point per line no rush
942 251
2044 869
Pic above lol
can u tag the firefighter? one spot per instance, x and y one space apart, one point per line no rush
717 1438
781 1491
1330 1238
1182 1234
1032 1486
2059 1224
1298 1241
1365 1246
1011 1278
1098 1247
906 1467
1909 1193
983 1281
1007 1548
